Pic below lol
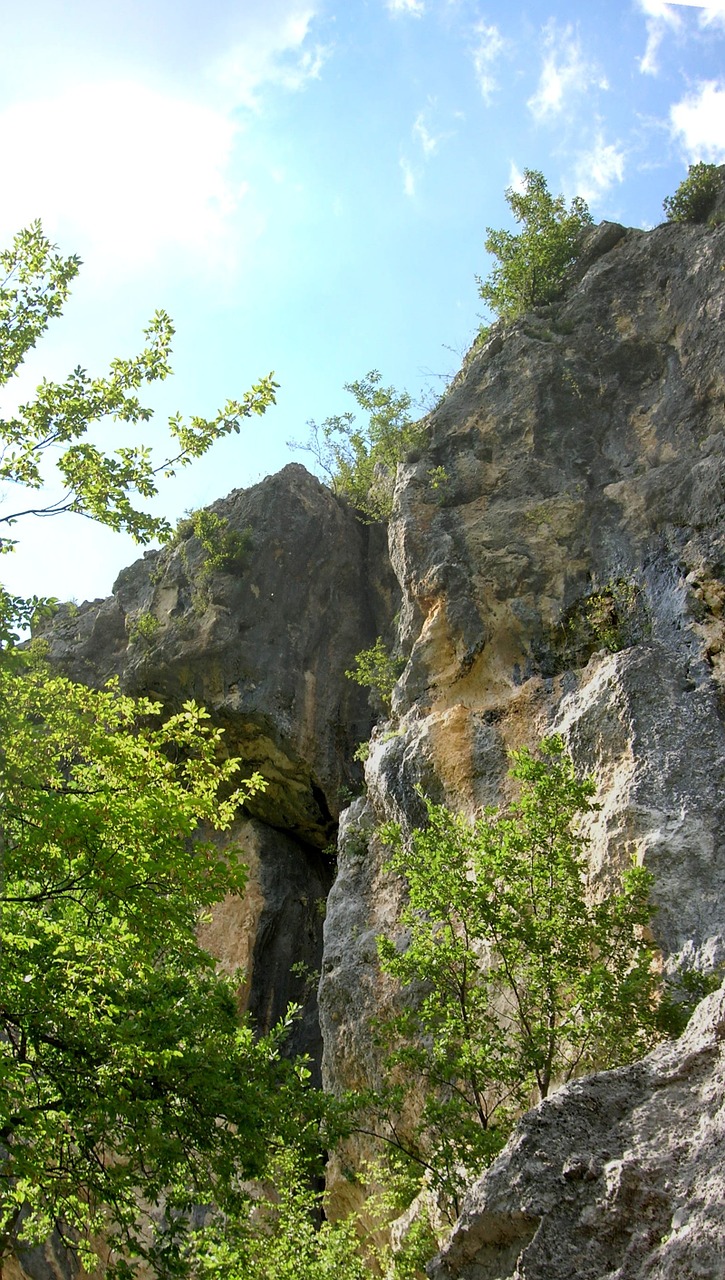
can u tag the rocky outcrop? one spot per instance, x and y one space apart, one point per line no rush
560 546
619 1176
263 639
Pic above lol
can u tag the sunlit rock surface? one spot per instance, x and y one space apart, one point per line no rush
617 1177
560 546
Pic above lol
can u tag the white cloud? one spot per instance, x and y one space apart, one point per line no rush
427 141
698 121
129 175
598 169
713 11
124 171
408 177
414 7
516 178
662 15
659 17
565 74
489 45
709 10
271 54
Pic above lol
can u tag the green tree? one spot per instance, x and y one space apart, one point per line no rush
376 669
515 978
289 1237
695 197
532 264
131 1092
34 283
126 1077
361 460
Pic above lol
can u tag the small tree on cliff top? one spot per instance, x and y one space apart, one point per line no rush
361 459
532 263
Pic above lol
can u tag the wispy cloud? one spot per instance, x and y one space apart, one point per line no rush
414 7
516 178
276 51
427 140
489 44
408 177
662 16
598 169
698 122
565 75
125 172
424 133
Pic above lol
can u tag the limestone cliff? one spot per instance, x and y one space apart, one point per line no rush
618 1176
263 642
559 549
565 572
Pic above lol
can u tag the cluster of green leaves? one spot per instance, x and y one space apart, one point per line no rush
515 977
440 483
376 669
361 459
18 613
34 284
532 264
131 1092
124 1069
282 1236
143 627
695 197
286 1233
224 549
612 617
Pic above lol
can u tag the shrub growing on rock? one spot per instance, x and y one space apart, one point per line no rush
532 264
695 197
515 976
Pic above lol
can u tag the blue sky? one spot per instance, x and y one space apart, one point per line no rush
305 186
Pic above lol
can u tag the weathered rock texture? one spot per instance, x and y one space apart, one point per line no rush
617 1177
565 572
264 644
560 550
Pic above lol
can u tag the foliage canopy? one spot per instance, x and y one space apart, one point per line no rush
695 197
34 283
532 264
124 1069
131 1092
515 978
360 460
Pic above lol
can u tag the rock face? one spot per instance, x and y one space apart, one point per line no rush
263 642
617 1177
560 546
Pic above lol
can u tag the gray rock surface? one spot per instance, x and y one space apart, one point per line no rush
617 1177
560 550
566 572
263 644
